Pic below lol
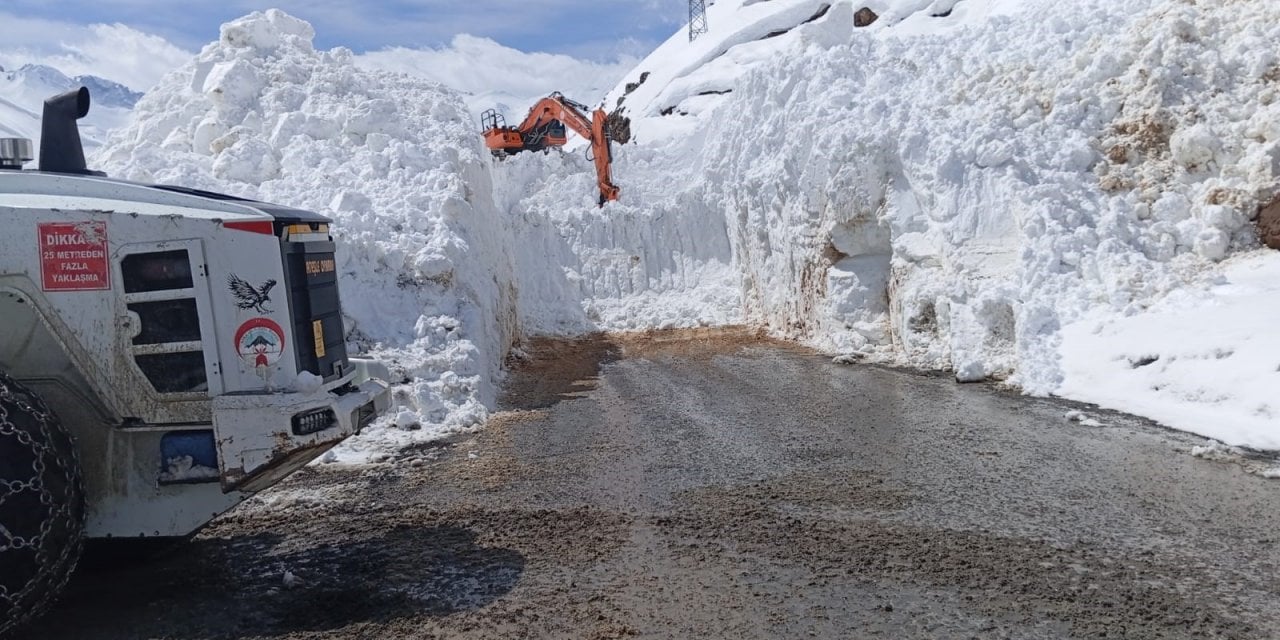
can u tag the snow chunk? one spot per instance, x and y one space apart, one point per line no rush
972 371
232 83
1215 450
185 469
308 382
262 31
244 157
1194 147
1083 419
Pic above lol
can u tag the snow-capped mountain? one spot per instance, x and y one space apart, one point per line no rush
22 95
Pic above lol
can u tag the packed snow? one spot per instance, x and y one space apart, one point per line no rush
1161 364
1056 195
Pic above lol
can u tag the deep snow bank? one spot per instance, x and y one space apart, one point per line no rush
645 262
953 185
425 262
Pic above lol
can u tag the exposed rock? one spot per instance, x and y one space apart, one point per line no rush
618 126
632 86
864 17
1269 224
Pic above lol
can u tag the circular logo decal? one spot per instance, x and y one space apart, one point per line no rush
260 342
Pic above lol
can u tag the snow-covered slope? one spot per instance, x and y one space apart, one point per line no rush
24 90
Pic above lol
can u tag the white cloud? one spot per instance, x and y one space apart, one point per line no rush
113 51
493 75
490 74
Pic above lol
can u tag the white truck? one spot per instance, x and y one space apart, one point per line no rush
164 353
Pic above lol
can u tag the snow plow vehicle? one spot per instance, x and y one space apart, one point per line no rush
545 127
164 353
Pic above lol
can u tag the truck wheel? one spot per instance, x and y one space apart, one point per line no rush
41 505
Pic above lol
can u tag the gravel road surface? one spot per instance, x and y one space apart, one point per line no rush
718 485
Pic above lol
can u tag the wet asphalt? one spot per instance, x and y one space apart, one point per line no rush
728 487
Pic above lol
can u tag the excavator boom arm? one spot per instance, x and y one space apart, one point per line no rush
553 108
603 154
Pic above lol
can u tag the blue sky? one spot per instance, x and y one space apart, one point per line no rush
592 29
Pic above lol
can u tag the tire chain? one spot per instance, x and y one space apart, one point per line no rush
41 448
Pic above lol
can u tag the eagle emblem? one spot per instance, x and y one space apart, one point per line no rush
250 297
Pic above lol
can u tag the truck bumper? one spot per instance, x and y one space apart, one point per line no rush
261 438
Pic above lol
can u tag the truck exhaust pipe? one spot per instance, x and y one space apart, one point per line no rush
60 148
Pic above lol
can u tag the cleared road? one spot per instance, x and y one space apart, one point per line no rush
727 487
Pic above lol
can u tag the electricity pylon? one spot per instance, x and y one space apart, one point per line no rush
697 18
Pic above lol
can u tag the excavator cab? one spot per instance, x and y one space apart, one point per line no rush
503 140
552 134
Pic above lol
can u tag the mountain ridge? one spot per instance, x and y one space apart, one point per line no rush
24 89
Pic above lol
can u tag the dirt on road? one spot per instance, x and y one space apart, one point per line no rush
721 485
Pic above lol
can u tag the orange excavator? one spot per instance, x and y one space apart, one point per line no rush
545 127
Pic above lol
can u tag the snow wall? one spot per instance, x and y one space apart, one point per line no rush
954 184
954 195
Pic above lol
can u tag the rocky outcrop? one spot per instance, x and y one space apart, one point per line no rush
1269 224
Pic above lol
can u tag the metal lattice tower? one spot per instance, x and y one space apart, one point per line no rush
697 18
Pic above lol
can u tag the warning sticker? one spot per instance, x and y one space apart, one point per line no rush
260 342
73 256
